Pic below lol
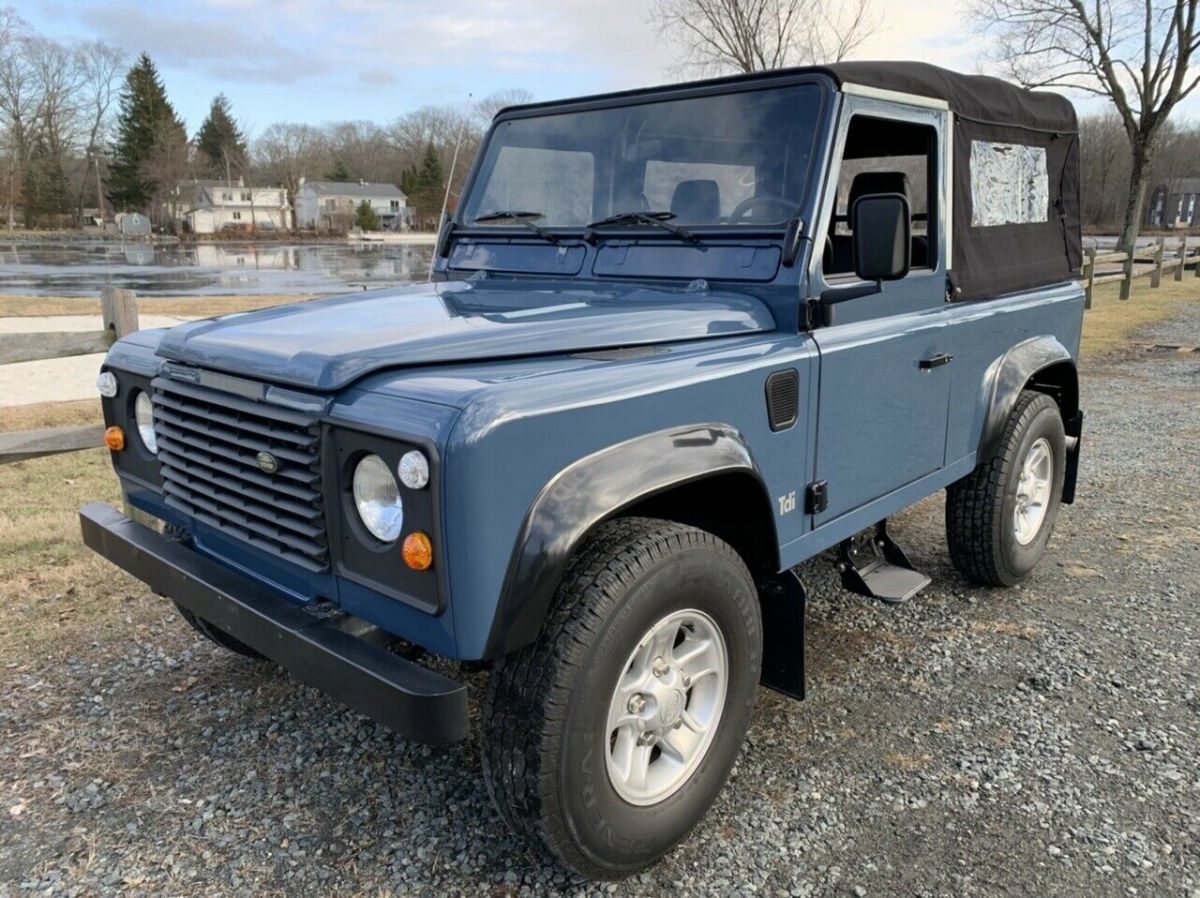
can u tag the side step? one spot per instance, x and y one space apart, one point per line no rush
872 565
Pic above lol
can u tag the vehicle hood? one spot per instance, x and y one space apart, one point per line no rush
329 343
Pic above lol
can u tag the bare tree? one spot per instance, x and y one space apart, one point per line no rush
101 68
287 152
487 108
18 99
1137 54
717 36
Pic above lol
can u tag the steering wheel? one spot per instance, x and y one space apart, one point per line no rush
743 210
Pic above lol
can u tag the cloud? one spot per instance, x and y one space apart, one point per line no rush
377 78
232 47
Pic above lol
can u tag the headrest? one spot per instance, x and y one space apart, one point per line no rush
696 202
870 182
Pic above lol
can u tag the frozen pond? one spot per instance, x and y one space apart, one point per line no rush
83 268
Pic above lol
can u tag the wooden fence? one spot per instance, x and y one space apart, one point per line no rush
1156 265
119 316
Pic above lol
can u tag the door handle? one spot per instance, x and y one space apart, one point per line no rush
942 358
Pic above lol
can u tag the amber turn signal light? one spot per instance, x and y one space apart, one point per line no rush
418 551
114 438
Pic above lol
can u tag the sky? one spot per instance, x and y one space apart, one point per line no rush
323 60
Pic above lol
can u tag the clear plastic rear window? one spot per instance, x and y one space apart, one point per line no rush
1009 184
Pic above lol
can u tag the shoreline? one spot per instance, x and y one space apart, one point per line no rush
409 238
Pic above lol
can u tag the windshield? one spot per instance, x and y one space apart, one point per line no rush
726 159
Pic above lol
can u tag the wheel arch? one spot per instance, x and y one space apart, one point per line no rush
670 474
1039 363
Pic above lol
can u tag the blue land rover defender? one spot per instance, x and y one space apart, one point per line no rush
677 342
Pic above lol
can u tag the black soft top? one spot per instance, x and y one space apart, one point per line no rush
981 98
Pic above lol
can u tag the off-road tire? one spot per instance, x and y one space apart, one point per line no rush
980 507
543 718
219 636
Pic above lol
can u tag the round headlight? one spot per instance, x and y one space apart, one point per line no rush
377 498
414 470
143 413
106 384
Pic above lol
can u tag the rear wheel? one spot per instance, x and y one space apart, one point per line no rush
608 739
1000 517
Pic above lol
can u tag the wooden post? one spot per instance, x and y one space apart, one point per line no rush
1127 281
118 308
1091 278
1182 258
1156 276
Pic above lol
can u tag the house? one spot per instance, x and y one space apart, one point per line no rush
209 207
1175 204
333 204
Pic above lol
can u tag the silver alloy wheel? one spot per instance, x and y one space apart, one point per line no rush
1033 491
666 707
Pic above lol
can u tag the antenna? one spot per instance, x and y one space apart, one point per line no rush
462 126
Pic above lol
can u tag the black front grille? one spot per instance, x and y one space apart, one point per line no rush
209 443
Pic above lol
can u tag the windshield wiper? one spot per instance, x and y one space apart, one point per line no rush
521 217
653 219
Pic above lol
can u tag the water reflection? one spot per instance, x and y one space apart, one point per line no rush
81 269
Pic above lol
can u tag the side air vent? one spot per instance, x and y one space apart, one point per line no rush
783 398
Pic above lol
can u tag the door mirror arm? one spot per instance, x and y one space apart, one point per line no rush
823 311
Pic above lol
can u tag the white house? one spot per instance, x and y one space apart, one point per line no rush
207 207
333 204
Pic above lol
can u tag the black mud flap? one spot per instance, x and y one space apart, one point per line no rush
1074 429
784 601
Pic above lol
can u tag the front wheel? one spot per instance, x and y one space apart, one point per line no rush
608 739
1000 516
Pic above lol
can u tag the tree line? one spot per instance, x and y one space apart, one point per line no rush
81 127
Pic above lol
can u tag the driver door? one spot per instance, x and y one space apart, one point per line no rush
883 399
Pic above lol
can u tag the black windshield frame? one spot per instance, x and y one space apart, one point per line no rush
812 111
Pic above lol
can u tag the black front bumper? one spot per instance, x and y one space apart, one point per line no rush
420 704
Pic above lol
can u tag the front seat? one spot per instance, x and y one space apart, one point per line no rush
869 183
696 202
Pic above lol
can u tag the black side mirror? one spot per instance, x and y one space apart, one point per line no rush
442 247
882 231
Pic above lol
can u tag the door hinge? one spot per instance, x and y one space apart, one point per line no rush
816 497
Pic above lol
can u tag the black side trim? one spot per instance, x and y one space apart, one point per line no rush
592 489
420 704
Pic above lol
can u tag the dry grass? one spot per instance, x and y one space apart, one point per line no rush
51 414
54 592
36 306
1111 323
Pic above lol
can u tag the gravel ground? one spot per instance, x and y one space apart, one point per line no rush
1037 741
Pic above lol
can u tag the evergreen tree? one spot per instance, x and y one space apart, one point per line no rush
146 118
339 173
366 219
220 143
430 183
408 182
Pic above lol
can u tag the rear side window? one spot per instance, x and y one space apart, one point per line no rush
1009 184
555 182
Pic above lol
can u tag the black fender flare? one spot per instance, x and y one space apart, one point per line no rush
587 492
1007 376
